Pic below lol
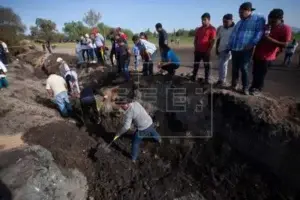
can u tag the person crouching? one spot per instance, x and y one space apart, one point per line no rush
170 61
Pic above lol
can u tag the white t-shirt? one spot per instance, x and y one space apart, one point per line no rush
78 48
137 114
64 69
3 68
291 48
150 47
56 83
223 34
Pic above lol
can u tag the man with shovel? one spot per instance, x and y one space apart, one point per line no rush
136 113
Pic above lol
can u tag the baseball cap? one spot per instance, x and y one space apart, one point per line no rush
247 6
228 16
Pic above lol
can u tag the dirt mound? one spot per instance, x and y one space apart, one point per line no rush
31 174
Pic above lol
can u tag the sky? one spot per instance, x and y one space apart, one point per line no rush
139 15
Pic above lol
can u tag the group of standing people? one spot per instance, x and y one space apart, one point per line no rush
250 39
90 48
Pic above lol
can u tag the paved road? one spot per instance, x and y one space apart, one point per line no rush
280 80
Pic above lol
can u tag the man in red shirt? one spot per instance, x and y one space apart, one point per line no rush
277 36
122 34
203 42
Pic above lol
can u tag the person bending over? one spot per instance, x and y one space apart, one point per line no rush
136 113
170 61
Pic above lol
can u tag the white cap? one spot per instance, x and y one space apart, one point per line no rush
59 59
87 35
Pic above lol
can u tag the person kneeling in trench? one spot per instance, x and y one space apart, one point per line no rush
56 87
136 113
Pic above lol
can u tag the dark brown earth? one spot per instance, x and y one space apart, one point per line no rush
212 167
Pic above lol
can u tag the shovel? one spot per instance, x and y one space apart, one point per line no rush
106 146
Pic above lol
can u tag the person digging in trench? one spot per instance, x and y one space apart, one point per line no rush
89 104
170 61
136 113
56 87
70 76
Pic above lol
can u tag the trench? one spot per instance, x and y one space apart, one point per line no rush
206 151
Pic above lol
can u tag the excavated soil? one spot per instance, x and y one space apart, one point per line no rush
211 169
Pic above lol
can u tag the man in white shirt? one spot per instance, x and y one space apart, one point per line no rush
136 113
3 80
70 76
223 35
148 53
289 52
3 52
78 51
56 87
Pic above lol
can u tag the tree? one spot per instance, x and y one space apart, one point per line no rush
11 26
74 30
192 33
92 18
148 33
44 30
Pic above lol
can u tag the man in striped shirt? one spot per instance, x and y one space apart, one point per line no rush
245 36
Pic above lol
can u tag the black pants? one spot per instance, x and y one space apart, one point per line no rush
111 56
89 108
198 57
260 69
147 67
68 80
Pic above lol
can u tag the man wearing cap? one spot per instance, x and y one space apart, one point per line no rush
245 36
277 36
162 36
203 42
136 113
223 34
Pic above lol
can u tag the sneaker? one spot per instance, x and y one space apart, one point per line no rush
234 87
245 92
193 78
255 92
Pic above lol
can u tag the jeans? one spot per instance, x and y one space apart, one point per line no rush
63 103
224 58
124 65
150 132
79 56
260 69
3 82
288 58
91 54
205 57
85 54
241 62
136 62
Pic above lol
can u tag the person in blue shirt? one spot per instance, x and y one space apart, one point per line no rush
170 61
245 36
136 53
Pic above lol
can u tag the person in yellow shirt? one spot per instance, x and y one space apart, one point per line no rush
56 87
